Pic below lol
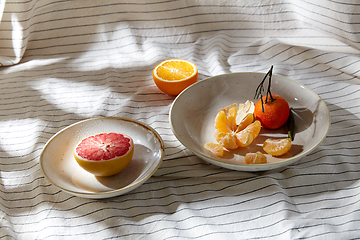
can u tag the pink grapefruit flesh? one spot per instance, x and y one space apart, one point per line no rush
104 154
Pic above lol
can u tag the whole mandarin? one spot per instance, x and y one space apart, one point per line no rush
275 112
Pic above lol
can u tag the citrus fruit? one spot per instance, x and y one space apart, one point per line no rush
272 112
222 123
230 121
104 154
234 127
253 128
172 76
244 139
227 140
245 113
234 117
248 119
277 147
214 148
246 136
230 113
255 158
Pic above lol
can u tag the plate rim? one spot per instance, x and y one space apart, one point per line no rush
111 193
251 167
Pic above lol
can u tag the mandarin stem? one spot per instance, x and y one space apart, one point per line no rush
260 88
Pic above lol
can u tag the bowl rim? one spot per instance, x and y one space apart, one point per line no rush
250 167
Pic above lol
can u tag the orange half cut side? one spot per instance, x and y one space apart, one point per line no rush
172 76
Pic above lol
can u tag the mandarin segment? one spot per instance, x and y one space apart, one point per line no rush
255 158
254 128
231 116
222 123
244 139
230 113
214 148
227 108
227 140
244 110
247 120
277 147
247 135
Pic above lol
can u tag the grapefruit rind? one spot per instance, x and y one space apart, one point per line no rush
108 167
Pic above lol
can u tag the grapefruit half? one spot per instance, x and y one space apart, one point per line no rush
104 154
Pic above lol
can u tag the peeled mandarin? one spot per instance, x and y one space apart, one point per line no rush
234 126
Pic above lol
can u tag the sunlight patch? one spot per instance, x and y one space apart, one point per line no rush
81 98
19 136
17 36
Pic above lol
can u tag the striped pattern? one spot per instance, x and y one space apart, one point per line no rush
65 61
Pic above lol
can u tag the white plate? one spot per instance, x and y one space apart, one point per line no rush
61 169
193 112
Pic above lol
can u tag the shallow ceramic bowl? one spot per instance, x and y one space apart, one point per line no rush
192 117
61 169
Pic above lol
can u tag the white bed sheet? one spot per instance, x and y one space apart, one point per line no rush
65 61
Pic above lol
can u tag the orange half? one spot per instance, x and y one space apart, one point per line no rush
172 76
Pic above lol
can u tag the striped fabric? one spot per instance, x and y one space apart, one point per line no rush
65 61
